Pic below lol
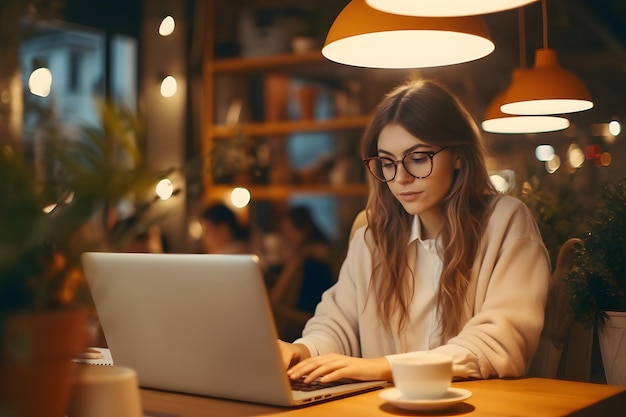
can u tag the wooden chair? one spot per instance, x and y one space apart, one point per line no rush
548 360
359 221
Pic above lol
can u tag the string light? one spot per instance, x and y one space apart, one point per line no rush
240 197
40 82
167 26
168 86
164 189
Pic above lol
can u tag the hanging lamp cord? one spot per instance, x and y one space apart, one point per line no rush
521 27
544 13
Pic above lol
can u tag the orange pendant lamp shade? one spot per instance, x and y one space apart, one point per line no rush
547 88
445 7
364 37
497 122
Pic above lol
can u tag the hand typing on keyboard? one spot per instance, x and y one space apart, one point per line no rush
335 367
300 385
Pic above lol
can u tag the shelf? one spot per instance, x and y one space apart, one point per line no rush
267 62
284 191
286 127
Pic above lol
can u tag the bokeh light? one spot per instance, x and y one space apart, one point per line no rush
195 230
544 152
166 28
240 197
40 82
168 86
615 127
575 156
605 159
164 189
501 184
553 164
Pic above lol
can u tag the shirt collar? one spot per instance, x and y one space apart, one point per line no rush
416 230
416 235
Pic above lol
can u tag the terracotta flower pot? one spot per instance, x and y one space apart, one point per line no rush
35 366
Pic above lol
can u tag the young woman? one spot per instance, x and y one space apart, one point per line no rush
444 263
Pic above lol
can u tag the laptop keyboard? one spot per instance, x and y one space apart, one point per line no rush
299 385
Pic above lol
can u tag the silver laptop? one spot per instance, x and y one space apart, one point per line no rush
198 324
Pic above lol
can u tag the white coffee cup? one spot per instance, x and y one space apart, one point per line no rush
104 391
421 375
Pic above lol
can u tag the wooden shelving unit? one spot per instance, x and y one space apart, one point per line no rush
273 62
227 81
282 191
308 64
286 127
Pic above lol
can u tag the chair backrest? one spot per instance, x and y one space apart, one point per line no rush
547 361
359 221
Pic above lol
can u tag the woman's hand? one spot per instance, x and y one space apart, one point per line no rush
292 353
332 367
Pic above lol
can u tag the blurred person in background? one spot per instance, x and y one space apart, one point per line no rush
305 274
222 233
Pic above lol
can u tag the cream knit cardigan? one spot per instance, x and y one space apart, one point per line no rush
503 315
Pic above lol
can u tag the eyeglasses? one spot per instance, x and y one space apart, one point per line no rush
417 164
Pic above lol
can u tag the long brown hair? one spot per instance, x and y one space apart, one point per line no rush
430 112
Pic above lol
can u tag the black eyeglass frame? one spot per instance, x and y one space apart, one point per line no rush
395 163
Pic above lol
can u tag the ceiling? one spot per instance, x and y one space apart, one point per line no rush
589 36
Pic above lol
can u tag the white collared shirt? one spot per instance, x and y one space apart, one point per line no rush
422 310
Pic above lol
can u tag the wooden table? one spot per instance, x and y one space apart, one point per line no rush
526 397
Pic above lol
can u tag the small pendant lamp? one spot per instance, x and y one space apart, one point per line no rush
445 7
547 88
364 37
495 121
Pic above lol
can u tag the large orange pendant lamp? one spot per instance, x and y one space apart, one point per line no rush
364 37
495 121
445 7
547 88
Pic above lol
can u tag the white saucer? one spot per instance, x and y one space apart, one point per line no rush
453 396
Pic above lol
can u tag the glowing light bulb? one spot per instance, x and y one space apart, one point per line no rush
553 164
500 183
240 197
168 86
544 152
164 189
576 156
48 209
615 127
40 82
167 26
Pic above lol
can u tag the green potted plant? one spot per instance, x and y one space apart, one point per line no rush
557 208
597 282
54 208
233 159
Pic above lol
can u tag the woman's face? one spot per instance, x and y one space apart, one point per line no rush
418 196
